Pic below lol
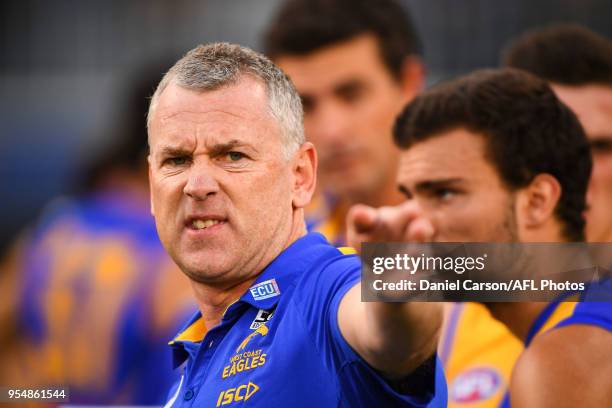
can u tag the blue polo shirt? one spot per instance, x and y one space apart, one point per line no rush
279 345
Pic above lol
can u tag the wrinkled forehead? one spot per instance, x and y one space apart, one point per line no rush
245 97
236 110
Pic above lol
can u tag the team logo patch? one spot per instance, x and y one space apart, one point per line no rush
263 316
476 384
265 290
261 330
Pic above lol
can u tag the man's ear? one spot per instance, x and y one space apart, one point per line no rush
149 159
304 175
537 202
412 76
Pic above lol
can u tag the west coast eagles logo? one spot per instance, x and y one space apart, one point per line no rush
261 330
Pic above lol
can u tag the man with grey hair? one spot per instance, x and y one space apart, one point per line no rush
284 104
280 320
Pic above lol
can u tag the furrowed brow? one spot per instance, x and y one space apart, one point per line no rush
222 148
173 151
432 185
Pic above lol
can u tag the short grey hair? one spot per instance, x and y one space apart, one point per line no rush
213 66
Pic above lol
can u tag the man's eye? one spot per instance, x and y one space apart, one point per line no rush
235 156
601 146
352 93
177 161
444 194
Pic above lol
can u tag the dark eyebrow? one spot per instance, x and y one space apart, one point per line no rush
349 85
601 143
222 148
429 185
173 151
404 190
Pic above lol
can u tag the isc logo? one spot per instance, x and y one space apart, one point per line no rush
241 393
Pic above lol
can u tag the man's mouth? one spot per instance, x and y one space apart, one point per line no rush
202 224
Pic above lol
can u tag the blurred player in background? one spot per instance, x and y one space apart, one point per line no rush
97 298
578 65
496 157
356 64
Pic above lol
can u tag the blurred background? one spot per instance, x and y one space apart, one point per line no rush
86 291
65 65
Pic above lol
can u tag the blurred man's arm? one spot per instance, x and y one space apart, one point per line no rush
394 338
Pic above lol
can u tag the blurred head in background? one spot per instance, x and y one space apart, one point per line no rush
578 64
494 156
355 65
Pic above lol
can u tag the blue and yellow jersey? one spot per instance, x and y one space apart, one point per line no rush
325 216
478 353
279 345
99 299
594 307
572 309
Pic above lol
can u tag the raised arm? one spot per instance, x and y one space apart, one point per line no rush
394 338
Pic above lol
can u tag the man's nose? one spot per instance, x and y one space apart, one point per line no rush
201 183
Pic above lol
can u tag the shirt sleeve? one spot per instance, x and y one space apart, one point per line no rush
359 384
595 307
